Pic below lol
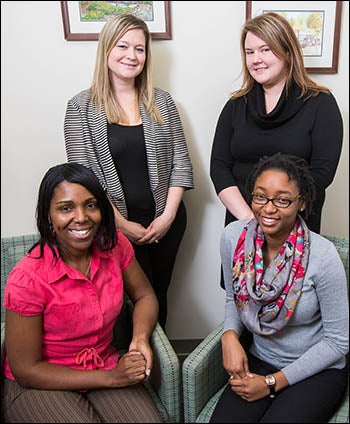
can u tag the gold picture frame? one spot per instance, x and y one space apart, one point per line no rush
83 24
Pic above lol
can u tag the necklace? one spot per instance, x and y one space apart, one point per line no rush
87 273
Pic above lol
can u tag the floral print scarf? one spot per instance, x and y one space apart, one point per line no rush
266 300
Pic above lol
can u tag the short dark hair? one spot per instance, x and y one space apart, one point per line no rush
297 170
106 237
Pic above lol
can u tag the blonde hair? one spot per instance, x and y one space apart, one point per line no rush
279 35
101 87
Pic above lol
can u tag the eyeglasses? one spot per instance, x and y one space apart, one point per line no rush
278 202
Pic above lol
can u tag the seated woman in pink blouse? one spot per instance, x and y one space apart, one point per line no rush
62 301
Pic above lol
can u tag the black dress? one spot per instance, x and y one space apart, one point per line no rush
127 146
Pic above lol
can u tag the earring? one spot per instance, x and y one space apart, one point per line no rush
53 232
300 210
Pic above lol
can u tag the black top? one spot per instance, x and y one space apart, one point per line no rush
311 129
127 146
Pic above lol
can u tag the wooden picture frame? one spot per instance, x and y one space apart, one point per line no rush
320 43
82 24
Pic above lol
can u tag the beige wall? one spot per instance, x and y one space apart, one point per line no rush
199 66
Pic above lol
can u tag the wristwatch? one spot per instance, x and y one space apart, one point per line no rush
271 382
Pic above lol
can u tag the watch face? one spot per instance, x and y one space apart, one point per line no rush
270 380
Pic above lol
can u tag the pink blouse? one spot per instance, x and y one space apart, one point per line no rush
78 314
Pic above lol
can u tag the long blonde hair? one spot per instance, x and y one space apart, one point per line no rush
279 35
101 87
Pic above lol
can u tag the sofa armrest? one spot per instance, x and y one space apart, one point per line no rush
203 374
165 377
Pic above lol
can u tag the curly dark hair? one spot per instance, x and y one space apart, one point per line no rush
297 170
106 237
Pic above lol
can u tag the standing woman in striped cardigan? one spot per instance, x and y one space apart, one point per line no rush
130 134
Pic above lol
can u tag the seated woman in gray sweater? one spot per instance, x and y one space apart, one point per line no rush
287 286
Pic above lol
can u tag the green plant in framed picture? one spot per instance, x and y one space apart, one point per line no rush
102 10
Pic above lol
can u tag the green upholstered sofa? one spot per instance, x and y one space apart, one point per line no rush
204 377
164 384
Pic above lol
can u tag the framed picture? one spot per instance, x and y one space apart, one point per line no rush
83 20
317 26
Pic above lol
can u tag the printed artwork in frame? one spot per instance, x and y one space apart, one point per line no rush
83 20
317 26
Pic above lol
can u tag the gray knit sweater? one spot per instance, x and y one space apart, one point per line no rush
317 335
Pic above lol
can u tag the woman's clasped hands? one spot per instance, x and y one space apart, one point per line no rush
132 368
245 384
251 387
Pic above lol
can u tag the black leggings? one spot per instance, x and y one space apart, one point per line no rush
313 400
158 259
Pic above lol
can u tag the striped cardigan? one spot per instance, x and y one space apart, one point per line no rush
169 163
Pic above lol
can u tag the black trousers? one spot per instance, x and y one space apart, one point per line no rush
158 259
313 400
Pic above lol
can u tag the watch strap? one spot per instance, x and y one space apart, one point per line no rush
272 394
